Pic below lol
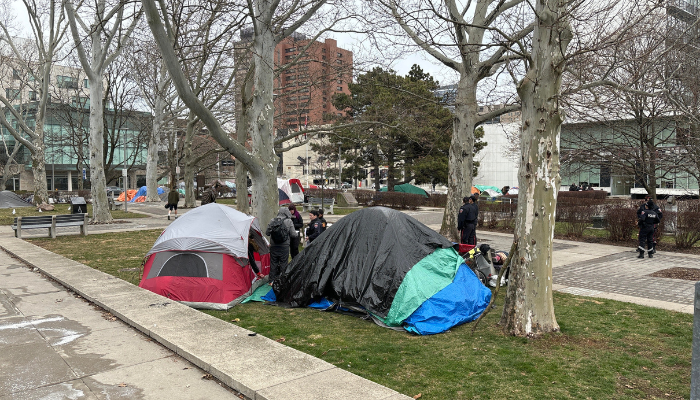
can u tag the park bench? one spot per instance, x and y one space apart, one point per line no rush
315 202
50 222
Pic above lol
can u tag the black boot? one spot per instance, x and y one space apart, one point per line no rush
641 253
651 253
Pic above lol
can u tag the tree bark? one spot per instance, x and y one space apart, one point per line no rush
154 139
529 309
188 170
461 156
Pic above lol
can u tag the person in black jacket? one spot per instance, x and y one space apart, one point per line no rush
648 218
655 208
466 220
298 226
315 226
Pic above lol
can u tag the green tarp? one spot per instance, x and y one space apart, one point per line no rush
423 281
407 188
484 187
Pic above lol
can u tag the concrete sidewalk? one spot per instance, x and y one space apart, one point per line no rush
253 365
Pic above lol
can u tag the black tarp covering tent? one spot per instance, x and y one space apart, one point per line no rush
361 259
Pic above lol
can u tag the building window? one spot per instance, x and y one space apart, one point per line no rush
32 95
11 94
339 54
289 57
66 82
339 88
338 61
340 81
323 50
323 57
289 50
82 102
86 84
15 74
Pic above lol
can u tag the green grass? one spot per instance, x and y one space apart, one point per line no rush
606 349
7 218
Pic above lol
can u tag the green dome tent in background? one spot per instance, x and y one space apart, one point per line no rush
407 188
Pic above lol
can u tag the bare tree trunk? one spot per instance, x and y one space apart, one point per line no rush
259 117
461 158
100 208
529 309
188 170
154 139
242 136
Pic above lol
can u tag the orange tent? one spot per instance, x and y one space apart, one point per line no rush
475 191
129 195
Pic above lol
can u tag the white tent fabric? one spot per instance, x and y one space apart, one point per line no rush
211 228
296 196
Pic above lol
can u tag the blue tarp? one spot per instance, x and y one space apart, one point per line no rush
461 301
143 191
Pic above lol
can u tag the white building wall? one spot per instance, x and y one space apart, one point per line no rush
497 167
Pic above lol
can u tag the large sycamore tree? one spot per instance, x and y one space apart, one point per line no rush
29 63
99 32
271 21
475 39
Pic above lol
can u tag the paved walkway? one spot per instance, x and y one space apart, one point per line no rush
87 354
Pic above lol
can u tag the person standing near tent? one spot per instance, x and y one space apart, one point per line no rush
466 220
648 218
173 199
324 224
315 226
298 226
280 230
209 195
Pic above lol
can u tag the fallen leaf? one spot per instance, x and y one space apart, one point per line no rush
236 320
59 300
629 386
208 376
280 340
418 396
122 385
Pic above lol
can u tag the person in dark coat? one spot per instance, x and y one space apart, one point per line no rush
324 224
279 252
209 195
315 226
298 226
648 218
466 220
656 209
173 199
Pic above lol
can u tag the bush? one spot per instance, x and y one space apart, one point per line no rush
598 195
622 221
576 214
687 224
364 197
436 200
404 201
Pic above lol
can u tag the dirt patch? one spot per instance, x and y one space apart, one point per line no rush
688 274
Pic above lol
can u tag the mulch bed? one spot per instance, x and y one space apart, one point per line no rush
688 274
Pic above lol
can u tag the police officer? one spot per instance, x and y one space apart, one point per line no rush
655 208
648 218
324 224
315 226
466 220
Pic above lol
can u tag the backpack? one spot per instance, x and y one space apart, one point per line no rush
278 230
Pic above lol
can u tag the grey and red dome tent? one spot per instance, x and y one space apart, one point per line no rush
201 259
391 266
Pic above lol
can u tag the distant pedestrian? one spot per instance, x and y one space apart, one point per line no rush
466 220
298 222
656 209
315 226
280 230
173 199
647 219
